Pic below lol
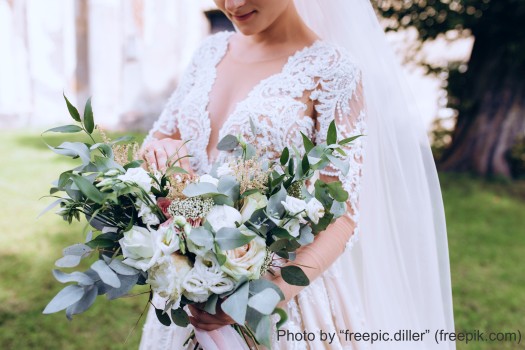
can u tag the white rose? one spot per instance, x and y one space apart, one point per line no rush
293 226
252 203
246 260
167 275
295 205
223 216
137 176
206 278
224 170
209 179
139 248
148 217
314 210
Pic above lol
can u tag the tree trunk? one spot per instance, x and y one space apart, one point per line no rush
491 105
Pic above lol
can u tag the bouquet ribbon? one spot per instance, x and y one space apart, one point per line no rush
220 339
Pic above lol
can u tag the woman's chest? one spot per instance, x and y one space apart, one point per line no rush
268 112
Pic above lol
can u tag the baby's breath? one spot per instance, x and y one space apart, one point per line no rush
191 208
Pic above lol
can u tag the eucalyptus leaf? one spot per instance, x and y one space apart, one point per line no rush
294 275
200 189
126 284
68 261
228 143
90 295
331 137
122 269
229 186
76 276
306 236
50 206
308 144
230 238
180 317
283 317
263 331
343 165
338 208
77 249
285 155
89 124
259 285
274 206
74 149
163 317
66 297
265 302
107 275
72 110
66 129
88 189
235 305
349 139
211 304
337 191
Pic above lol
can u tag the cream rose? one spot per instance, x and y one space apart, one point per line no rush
167 275
246 260
223 216
139 248
252 203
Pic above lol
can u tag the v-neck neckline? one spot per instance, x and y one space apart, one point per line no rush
251 91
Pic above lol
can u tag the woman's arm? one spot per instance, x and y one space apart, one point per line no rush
347 109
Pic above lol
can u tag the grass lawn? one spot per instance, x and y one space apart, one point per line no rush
486 224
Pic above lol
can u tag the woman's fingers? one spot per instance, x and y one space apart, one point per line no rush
150 158
203 319
177 153
161 157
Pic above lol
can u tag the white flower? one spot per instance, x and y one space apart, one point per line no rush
251 204
314 210
246 260
223 216
224 170
139 248
206 278
167 239
137 176
148 217
167 275
293 226
209 179
294 205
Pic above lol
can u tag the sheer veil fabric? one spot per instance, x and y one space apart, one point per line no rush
400 266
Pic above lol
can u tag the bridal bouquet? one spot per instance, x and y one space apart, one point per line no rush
203 240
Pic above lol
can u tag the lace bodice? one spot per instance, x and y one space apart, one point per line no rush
322 70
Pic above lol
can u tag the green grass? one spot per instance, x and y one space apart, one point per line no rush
486 222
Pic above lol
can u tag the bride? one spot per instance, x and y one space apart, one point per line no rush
379 275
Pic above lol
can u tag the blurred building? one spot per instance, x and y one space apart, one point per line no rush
126 54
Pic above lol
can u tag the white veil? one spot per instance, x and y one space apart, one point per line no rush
400 264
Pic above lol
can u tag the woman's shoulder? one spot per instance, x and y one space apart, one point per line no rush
333 61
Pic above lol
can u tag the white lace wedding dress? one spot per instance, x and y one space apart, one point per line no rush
330 78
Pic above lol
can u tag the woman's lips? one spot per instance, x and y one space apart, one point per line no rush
244 17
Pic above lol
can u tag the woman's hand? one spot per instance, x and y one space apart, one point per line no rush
158 153
208 322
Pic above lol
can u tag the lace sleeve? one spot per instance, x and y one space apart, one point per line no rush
166 124
341 99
